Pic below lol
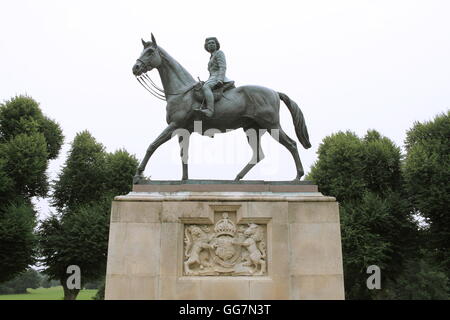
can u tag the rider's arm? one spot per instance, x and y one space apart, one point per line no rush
222 64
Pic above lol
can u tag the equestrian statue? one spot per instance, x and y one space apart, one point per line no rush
217 103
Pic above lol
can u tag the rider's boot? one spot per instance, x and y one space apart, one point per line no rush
209 97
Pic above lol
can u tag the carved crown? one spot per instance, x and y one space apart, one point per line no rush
225 226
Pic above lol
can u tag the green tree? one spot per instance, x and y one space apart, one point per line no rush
427 176
47 282
26 164
22 115
17 238
101 291
83 177
362 245
28 140
422 279
339 170
120 166
377 225
19 115
79 238
78 233
30 279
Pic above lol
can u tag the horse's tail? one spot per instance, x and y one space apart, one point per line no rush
298 119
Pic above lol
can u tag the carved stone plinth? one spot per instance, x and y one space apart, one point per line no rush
183 244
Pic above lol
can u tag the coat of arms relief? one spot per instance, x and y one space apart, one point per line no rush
225 248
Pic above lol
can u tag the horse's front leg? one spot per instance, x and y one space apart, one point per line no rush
165 136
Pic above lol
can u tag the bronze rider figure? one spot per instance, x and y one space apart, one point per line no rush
217 67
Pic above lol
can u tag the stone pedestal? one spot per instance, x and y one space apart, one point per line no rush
206 241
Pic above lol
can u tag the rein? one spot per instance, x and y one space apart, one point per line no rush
152 87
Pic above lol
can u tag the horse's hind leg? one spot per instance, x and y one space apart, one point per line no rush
183 140
291 145
254 140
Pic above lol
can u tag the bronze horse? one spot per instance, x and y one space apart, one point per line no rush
253 108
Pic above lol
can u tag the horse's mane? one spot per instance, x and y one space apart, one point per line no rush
183 75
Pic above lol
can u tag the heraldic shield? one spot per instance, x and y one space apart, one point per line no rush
228 249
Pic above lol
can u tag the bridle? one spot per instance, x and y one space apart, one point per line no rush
142 61
152 87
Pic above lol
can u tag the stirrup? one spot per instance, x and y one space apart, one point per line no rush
207 112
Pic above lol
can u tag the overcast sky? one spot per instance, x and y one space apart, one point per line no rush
350 65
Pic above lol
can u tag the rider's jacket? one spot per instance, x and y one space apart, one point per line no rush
217 67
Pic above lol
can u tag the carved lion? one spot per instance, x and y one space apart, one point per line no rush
196 240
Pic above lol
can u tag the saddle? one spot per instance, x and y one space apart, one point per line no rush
217 90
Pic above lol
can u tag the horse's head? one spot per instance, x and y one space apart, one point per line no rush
150 58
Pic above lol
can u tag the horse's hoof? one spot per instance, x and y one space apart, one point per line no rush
299 177
137 178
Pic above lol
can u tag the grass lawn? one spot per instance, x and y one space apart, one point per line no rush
54 293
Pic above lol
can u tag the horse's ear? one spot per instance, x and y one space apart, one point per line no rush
145 44
154 41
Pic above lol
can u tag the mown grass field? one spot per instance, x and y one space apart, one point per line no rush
54 293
